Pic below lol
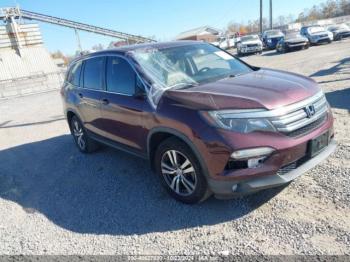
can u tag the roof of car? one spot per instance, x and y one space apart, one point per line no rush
125 49
157 45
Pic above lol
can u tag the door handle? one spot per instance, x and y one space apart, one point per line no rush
105 101
80 95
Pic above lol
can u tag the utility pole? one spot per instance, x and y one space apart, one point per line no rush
271 18
261 16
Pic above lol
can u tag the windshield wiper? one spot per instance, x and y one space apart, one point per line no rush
231 76
188 86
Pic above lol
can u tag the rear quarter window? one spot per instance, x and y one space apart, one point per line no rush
93 73
74 74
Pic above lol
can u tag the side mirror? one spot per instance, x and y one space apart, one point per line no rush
139 89
139 93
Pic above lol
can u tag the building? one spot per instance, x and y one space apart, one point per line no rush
26 66
204 33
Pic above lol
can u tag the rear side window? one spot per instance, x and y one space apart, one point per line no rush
74 74
121 78
93 72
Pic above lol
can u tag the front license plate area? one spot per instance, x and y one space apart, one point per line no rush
319 143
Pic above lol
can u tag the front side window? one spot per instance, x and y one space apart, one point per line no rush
185 66
93 73
121 78
74 75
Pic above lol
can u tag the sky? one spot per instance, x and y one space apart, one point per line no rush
163 19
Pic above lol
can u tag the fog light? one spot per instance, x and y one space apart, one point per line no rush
252 153
255 162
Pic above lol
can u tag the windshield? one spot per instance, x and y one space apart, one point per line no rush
315 29
338 27
272 33
293 35
249 38
185 66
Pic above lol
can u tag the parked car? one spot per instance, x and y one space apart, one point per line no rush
271 38
250 44
207 121
339 31
292 41
316 34
225 42
219 41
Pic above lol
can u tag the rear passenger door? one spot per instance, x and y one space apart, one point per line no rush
89 93
122 111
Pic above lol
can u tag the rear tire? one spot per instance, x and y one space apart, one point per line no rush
180 172
84 143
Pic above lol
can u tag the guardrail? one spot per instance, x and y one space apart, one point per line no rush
33 84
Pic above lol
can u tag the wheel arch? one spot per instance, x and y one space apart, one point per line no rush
159 134
69 114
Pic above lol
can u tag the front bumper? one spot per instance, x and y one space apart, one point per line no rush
321 40
251 50
236 188
296 45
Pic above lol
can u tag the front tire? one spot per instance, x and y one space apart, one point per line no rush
180 172
84 143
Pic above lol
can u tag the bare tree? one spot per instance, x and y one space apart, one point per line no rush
328 9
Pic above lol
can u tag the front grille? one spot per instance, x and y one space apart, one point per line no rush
307 129
325 40
295 43
252 45
303 119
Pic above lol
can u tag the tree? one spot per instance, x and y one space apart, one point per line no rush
344 7
329 9
59 54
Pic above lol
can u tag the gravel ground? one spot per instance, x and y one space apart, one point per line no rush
54 200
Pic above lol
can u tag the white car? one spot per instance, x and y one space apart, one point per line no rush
225 43
250 44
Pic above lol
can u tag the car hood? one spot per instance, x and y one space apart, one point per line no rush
264 88
319 33
252 42
296 39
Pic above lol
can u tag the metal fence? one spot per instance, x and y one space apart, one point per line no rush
37 83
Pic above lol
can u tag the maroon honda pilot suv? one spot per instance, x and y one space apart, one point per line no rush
208 122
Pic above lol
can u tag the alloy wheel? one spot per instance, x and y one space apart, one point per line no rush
79 134
178 173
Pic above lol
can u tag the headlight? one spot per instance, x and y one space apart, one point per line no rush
331 35
229 120
269 40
